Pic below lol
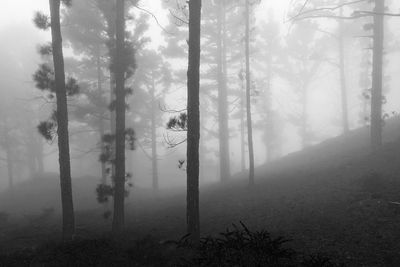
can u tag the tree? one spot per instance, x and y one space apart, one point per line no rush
152 80
377 74
193 121
378 15
85 35
58 86
248 102
222 93
120 107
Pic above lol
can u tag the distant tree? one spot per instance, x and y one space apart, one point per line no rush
193 121
248 97
86 36
377 75
152 80
269 56
378 14
58 86
303 49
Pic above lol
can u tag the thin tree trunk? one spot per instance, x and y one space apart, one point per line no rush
222 97
242 127
343 88
193 124
154 157
377 73
62 123
101 120
248 102
119 189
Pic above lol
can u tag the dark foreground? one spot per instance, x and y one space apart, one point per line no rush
337 202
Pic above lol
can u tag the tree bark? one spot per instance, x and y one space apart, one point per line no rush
62 123
377 73
193 123
248 102
119 188
222 96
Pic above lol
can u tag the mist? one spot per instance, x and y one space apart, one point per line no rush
177 128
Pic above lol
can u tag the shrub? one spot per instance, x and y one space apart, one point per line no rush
239 247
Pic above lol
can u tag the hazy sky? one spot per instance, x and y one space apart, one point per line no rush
21 12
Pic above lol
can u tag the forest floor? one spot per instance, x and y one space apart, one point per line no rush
336 198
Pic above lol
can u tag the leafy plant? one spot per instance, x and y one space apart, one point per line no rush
239 247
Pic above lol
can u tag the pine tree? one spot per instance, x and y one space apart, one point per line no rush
120 106
248 102
193 122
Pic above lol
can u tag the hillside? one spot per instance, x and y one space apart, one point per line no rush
335 197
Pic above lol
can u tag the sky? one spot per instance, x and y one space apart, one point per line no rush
21 12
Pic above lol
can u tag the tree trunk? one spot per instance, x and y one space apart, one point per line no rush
119 189
154 156
222 96
377 73
101 120
62 123
343 89
193 123
242 127
248 102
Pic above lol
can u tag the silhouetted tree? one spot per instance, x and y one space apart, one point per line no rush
120 107
193 121
248 102
60 118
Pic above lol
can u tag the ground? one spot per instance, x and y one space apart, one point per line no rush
337 198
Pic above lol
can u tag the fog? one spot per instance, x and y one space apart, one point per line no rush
304 94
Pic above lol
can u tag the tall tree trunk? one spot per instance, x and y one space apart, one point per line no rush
343 88
101 120
62 123
154 156
377 73
242 127
222 96
193 123
248 102
119 189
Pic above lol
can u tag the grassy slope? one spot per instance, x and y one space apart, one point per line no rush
334 197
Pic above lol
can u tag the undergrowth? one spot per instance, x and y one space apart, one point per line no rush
238 246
